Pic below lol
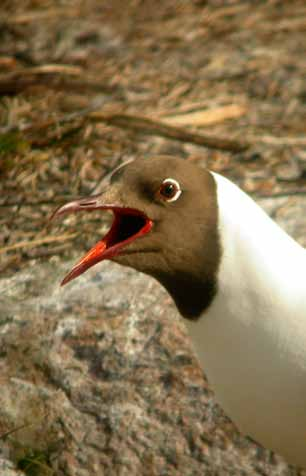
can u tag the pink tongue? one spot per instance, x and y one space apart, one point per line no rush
92 257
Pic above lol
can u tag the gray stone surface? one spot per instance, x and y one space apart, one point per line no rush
100 378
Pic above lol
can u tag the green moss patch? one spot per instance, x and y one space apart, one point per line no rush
35 463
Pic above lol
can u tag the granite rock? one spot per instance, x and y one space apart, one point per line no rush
100 378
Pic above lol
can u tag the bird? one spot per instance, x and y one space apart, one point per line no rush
237 279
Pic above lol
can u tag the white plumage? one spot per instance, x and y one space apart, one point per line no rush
251 341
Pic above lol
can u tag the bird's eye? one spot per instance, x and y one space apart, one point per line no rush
169 190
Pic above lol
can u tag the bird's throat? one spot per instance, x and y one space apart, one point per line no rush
191 294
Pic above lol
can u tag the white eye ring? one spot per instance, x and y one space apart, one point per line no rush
177 191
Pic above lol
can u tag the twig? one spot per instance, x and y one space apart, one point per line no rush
14 430
51 68
205 117
149 126
153 127
53 76
42 15
140 124
38 203
38 242
45 252
58 121
20 427
232 10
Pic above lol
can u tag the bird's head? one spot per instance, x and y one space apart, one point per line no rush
164 224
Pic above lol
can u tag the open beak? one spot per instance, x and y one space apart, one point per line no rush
128 225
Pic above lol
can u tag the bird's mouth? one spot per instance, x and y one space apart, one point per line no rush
128 225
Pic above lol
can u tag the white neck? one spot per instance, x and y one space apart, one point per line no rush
252 339
262 267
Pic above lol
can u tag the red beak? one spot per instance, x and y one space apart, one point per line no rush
128 225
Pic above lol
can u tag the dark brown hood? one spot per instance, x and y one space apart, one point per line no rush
173 239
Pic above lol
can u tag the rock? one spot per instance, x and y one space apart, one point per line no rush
98 378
